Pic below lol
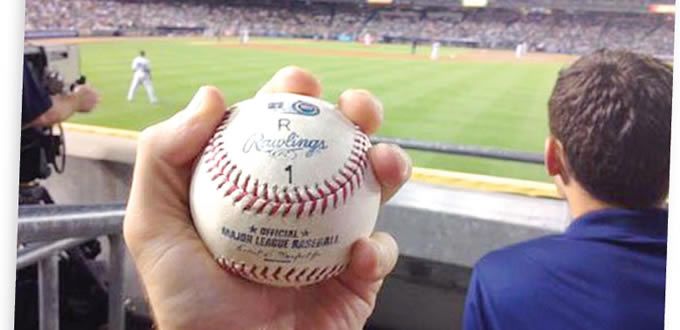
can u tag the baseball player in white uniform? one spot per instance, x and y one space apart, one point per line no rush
141 68
434 55
245 36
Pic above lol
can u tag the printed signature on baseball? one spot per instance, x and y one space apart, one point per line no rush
278 256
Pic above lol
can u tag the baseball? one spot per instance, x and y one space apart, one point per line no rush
283 189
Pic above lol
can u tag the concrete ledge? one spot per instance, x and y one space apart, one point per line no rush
98 143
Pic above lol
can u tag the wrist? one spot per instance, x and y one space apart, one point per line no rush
76 101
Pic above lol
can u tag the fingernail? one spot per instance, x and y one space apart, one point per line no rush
407 162
380 253
381 109
196 101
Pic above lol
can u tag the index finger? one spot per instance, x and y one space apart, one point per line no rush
362 108
292 79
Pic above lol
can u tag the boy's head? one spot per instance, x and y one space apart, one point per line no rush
610 125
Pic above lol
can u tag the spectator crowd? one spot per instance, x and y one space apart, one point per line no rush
543 30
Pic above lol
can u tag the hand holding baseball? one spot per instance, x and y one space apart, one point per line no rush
187 289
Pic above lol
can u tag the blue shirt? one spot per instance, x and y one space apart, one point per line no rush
35 100
607 271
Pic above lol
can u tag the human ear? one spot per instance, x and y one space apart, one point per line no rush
555 160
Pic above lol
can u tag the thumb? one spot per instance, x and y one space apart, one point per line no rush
372 259
158 203
181 138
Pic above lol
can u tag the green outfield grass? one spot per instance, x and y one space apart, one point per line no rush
489 104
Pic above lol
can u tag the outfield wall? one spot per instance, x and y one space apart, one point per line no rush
444 222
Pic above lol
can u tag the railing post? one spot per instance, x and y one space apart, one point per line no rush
117 254
48 293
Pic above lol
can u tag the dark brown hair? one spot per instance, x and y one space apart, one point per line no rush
611 110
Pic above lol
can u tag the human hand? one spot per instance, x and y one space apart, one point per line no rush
86 98
186 288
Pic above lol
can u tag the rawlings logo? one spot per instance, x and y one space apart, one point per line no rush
298 108
288 147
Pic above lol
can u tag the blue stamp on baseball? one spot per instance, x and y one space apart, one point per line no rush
305 109
298 108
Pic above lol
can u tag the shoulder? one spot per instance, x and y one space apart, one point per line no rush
35 99
505 283
536 248
521 265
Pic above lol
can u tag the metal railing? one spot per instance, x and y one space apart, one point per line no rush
463 150
45 231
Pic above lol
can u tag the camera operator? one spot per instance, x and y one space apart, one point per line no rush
39 112
45 103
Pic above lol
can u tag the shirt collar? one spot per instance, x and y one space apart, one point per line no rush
650 225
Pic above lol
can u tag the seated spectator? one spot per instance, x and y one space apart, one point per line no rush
557 31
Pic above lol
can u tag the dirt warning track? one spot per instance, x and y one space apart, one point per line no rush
471 55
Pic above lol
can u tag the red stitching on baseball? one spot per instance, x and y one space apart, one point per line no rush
262 207
231 170
336 196
274 208
238 176
321 273
275 194
252 271
245 184
255 185
250 204
240 196
294 275
334 269
286 196
230 191
345 183
312 208
324 205
298 195
301 209
290 272
263 191
300 274
275 275
309 276
322 194
286 210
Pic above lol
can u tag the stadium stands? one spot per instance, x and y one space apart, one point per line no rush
494 27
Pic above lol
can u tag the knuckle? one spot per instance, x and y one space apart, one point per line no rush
295 73
363 93
291 70
147 137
